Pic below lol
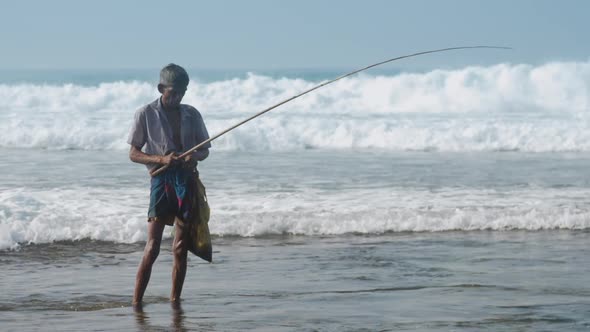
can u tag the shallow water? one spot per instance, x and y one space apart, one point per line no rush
459 281
305 241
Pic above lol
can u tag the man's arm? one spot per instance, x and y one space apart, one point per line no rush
200 154
138 156
201 135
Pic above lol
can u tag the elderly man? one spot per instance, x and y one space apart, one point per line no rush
164 129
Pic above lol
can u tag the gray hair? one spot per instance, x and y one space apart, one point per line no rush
174 75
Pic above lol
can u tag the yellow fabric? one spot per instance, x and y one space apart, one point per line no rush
199 233
204 210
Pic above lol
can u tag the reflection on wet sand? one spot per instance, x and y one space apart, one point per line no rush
143 320
178 316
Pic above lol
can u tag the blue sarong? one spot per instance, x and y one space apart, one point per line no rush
172 195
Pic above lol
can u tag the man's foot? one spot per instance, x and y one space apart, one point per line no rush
137 306
176 304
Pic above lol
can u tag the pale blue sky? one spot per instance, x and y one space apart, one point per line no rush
266 34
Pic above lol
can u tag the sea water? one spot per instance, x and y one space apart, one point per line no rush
448 200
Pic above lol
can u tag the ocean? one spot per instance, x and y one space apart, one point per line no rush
443 200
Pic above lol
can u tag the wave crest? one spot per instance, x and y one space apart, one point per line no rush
502 107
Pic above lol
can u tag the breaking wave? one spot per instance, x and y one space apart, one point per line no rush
501 107
69 214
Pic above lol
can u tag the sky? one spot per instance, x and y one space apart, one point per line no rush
267 34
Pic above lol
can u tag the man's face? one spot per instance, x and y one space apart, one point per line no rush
172 96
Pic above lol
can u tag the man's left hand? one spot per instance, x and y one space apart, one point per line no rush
189 161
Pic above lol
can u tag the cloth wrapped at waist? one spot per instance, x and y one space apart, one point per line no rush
178 193
175 194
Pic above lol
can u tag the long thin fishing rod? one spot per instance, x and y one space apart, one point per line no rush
163 168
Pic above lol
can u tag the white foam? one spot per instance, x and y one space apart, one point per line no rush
43 216
396 210
502 107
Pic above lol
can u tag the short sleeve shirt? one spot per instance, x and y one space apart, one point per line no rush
152 132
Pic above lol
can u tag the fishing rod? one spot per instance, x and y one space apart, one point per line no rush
195 148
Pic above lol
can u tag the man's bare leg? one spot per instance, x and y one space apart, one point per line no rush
180 251
150 253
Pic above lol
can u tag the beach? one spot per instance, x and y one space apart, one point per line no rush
451 281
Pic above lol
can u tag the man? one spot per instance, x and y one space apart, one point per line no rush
164 129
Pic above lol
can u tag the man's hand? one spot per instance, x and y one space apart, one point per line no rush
169 159
189 161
